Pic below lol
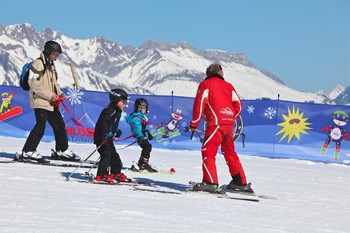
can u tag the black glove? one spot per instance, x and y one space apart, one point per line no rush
118 133
139 140
150 136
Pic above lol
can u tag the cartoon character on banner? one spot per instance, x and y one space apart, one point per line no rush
7 110
336 132
170 129
6 104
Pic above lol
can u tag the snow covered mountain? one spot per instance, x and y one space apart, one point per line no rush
343 97
154 68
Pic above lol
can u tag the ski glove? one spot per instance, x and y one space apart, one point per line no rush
110 134
139 140
118 133
150 136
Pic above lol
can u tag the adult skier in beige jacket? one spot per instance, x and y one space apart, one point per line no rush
45 96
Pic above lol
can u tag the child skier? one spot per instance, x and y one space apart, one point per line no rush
105 130
138 123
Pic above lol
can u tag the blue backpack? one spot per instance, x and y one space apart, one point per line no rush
23 80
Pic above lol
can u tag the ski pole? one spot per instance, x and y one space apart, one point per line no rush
192 135
187 129
93 165
103 142
200 138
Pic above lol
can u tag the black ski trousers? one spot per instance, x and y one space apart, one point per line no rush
59 129
109 159
146 149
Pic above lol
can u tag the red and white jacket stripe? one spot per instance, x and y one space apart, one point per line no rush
217 101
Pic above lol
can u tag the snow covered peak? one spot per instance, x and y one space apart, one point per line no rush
154 68
336 92
164 46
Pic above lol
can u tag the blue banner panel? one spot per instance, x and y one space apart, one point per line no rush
271 128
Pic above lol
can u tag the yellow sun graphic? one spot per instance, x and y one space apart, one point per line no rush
293 125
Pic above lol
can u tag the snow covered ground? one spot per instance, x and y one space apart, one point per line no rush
310 197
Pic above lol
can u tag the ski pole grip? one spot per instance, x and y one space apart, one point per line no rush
192 135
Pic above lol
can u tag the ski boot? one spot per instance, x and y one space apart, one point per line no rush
32 156
121 177
144 165
68 155
240 188
205 187
105 179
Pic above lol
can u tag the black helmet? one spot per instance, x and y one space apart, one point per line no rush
141 105
117 95
52 47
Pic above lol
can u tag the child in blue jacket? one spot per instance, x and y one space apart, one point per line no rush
138 123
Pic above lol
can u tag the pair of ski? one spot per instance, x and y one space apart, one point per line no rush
223 192
223 195
135 168
91 180
55 160
152 187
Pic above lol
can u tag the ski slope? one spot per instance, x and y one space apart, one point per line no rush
310 197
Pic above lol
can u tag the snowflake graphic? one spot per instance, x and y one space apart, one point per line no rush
250 109
74 95
270 113
154 117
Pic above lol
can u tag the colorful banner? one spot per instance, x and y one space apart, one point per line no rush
271 128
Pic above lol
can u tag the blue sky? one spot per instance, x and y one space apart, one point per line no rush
306 43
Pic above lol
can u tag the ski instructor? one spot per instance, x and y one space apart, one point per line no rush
219 104
45 95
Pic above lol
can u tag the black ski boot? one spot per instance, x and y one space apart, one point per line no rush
240 188
144 165
205 187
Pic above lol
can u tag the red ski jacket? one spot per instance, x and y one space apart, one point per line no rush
217 101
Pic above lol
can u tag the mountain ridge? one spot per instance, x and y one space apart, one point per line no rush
154 68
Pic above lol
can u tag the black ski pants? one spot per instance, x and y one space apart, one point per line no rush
109 159
59 129
146 149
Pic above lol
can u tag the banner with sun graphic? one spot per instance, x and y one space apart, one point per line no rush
287 129
293 125
271 128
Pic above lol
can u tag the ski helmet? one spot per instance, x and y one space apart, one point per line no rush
52 47
117 95
141 104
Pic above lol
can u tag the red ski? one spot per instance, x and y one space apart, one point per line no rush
13 112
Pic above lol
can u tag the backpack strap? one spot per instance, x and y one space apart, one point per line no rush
143 123
40 73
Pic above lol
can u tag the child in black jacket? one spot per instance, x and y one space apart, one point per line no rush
110 165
